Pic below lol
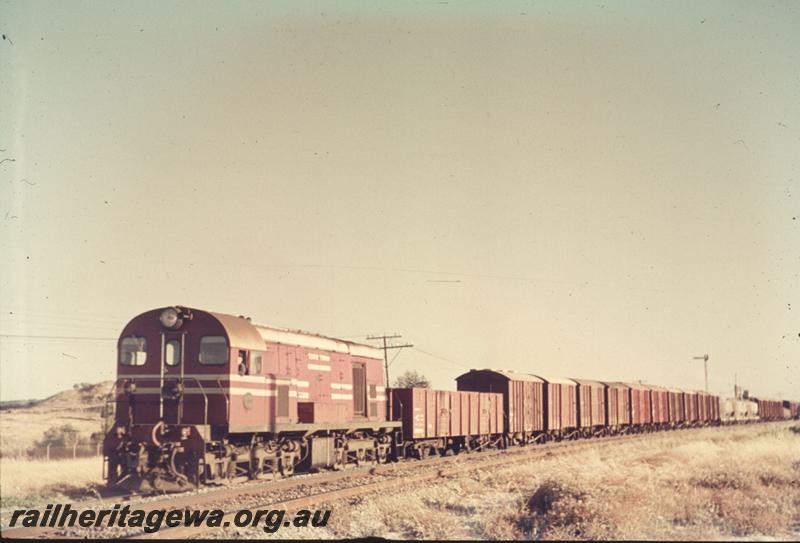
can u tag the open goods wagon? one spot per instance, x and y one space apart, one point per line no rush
442 420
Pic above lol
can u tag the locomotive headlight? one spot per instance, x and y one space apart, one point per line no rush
170 318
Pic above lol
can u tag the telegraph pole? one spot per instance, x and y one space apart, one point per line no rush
386 348
704 358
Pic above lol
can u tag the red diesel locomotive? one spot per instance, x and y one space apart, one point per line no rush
203 396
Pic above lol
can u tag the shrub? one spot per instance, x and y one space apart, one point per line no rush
65 435
412 379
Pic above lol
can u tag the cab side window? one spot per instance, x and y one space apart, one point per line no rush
133 351
242 363
213 350
255 364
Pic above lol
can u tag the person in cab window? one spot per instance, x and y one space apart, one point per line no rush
242 363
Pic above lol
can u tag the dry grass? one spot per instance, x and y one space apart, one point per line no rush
21 428
31 482
704 484
25 482
726 483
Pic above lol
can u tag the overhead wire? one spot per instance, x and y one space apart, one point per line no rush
31 336
442 358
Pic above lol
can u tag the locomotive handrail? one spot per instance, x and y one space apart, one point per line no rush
111 397
113 393
205 398
227 401
161 383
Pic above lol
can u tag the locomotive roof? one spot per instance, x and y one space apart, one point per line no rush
246 334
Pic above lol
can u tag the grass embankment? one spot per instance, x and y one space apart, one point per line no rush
740 482
697 484
27 483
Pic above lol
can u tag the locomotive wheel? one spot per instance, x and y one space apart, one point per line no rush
155 482
255 468
360 457
113 471
338 460
199 472
286 465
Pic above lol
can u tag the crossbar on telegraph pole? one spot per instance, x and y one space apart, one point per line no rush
386 348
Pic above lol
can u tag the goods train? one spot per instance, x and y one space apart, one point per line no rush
203 397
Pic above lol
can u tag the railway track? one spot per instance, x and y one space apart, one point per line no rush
313 490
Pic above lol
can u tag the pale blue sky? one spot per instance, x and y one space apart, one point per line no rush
614 184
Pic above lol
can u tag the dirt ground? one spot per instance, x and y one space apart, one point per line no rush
739 483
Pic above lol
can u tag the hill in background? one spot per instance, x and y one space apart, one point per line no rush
23 423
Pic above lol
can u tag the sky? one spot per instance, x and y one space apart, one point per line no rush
601 189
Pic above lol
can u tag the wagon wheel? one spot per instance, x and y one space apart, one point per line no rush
254 468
